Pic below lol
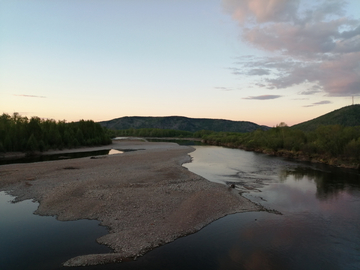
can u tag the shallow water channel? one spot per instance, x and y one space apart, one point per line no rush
316 224
71 155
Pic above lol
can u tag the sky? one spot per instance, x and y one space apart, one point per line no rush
263 61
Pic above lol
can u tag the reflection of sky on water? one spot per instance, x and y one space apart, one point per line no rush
223 165
28 241
114 152
319 228
65 155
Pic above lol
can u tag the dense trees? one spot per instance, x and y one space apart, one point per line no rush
18 133
332 144
152 132
348 116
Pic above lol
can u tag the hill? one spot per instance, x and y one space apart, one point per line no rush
346 116
181 123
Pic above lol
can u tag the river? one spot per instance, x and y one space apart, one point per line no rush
315 225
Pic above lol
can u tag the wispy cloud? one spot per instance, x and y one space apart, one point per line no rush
318 103
258 72
30 96
314 42
263 97
224 88
313 90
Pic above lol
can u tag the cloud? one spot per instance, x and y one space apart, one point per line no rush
263 97
260 10
318 103
312 90
31 96
258 72
224 88
236 71
308 92
311 42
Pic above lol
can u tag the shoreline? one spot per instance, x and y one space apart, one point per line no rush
296 156
115 144
145 198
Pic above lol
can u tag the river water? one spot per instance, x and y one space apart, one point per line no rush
316 224
319 225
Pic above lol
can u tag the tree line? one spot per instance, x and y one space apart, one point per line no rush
152 132
331 144
19 133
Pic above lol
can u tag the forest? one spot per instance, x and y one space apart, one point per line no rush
152 132
18 133
331 144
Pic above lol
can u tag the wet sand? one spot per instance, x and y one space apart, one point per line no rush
145 198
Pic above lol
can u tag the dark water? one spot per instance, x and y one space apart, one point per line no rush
318 228
320 223
28 241
39 158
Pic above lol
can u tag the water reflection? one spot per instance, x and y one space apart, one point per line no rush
320 225
115 152
71 155
28 241
225 165
330 183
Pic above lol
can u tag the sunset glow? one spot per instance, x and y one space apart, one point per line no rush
264 61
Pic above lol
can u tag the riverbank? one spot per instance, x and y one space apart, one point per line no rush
145 198
295 155
114 145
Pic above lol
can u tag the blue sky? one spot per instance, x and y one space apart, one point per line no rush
264 61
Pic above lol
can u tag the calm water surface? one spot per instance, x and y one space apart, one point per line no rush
320 223
28 241
318 228
71 155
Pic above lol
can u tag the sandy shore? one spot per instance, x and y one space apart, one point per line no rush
145 198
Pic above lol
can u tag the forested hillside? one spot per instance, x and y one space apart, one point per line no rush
181 123
18 133
346 116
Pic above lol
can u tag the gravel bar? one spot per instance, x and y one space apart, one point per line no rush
145 198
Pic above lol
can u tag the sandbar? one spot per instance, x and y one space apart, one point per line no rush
145 198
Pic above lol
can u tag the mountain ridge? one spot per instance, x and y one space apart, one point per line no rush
345 116
181 123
